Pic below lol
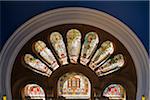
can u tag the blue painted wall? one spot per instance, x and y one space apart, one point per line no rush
135 14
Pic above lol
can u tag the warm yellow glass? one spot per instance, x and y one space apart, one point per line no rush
4 98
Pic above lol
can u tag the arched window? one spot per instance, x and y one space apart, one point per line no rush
74 86
90 43
102 54
36 65
111 65
115 92
59 46
101 62
73 44
33 92
46 54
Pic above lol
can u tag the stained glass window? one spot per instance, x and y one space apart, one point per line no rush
46 53
73 44
102 54
111 65
74 86
115 92
36 65
33 91
100 62
57 42
90 43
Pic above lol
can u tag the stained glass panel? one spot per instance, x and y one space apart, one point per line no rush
74 86
115 91
102 54
33 91
46 54
57 42
90 43
36 65
111 65
73 44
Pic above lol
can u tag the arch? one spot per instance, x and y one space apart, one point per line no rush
58 44
20 84
124 82
81 16
33 91
74 85
115 91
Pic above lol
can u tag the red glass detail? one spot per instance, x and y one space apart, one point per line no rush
32 89
53 62
62 55
109 89
38 90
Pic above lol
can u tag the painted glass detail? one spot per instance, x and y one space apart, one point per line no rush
102 54
89 46
111 65
58 44
46 54
115 91
74 86
36 65
33 91
73 44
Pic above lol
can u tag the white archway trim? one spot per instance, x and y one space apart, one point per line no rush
80 16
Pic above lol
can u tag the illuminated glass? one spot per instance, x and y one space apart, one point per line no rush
74 86
58 44
46 54
102 54
111 65
36 65
115 92
73 44
89 46
33 91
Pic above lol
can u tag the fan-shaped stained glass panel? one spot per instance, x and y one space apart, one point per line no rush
36 65
73 44
58 44
111 65
46 54
102 54
90 43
